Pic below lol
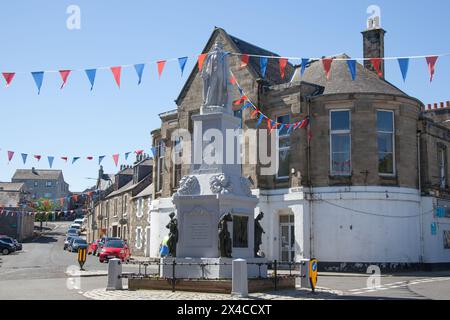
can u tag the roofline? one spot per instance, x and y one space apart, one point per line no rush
370 93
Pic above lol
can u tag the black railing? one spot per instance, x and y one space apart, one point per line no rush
276 271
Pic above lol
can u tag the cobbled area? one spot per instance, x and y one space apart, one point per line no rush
103 294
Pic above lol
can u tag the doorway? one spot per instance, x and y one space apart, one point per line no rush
287 238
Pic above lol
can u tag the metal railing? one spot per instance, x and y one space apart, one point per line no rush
278 271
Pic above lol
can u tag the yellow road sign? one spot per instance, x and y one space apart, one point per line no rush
82 253
313 266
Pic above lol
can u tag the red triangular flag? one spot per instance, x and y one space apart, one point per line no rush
89 158
431 61
244 60
201 59
160 64
283 62
376 63
37 157
327 66
116 72
254 113
64 75
8 77
139 152
116 158
10 155
233 80
64 158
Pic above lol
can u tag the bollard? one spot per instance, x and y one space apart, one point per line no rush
239 286
114 273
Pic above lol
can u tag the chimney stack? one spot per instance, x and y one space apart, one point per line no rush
373 40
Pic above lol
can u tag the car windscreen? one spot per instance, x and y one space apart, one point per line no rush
8 240
72 231
114 244
80 241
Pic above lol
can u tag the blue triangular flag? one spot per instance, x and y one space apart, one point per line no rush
100 159
290 128
246 105
75 159
263 65
24 157
91 76
139 70
50 160
352 68
38 77
126 155
404 65
280 128
304 63
298 124
154 151
260 119
182 62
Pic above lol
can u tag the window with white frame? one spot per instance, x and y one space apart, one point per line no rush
139 207
442 163
125 204
340 143
138 237
385 140
115 207
284 145
177 166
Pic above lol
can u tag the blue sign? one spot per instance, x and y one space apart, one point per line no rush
433 228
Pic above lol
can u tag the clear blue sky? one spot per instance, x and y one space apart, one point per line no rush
77 122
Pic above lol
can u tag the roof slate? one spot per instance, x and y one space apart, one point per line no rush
24 174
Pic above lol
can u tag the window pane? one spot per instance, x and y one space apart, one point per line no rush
385 142
385 121
385 163
340 120
340 143
283 120
283 169
341 163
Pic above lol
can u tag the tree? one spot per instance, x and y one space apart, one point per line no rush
43 209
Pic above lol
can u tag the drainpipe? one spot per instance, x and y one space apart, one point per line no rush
310 186
421 240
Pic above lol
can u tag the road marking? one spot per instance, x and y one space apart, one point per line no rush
396 285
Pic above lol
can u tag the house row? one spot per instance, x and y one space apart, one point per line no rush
366 183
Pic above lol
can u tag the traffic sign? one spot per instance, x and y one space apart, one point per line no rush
82 253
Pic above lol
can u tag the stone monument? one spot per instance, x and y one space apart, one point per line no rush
214 203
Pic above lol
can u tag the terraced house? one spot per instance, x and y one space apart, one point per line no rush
366 183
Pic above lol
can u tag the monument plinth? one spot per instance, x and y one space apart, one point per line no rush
214 203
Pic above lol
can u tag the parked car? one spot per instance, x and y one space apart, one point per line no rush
6 248
14 242
77 243
68 240
75 226
114 249
73 232
103 240
93 247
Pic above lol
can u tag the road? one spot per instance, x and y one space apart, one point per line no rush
39 272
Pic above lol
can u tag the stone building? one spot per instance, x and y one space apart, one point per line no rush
140 223
350 189
15 220
41 183
112 209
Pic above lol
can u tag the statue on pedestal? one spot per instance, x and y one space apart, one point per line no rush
225 245
215 73
173 235
258 232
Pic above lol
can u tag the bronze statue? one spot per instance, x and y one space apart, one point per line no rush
258 232
173 235
225 245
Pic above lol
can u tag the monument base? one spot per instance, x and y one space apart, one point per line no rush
209 268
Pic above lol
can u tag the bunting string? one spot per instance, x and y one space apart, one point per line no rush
38 76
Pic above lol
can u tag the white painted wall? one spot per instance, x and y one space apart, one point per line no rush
160 210
434 251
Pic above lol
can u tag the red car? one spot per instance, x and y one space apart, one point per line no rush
114 249
93 247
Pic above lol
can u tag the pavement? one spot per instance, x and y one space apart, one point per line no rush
43 270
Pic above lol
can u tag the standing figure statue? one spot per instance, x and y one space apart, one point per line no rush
215 78
258 232
225 245
173 235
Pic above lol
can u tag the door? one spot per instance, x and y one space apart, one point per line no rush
147 242
287 239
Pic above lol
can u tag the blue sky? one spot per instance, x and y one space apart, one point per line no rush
77 122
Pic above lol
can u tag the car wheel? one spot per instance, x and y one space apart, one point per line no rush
5 252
